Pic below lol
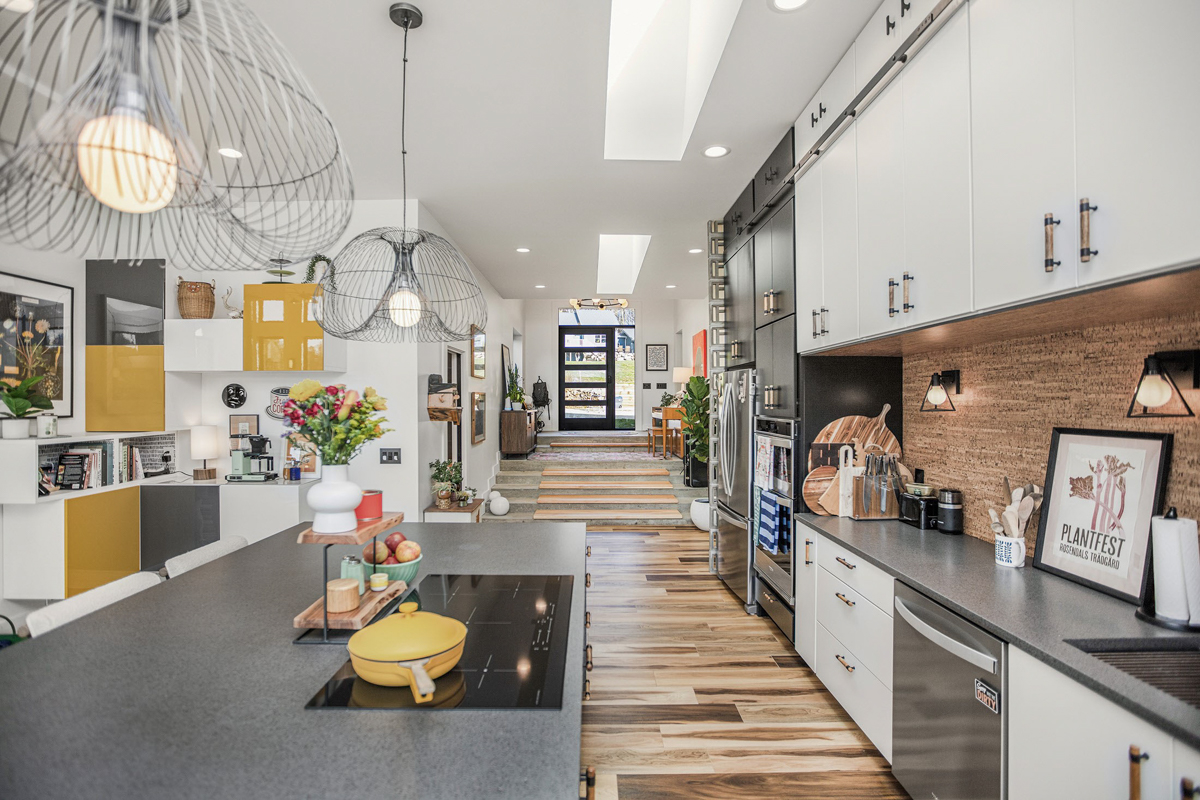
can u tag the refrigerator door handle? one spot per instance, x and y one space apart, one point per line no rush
737 523
947 643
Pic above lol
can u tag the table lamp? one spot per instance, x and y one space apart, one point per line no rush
682 375
205 445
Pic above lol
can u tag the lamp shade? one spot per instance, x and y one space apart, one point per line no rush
205 442
682 374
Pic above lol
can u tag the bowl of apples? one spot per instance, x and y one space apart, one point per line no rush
396 556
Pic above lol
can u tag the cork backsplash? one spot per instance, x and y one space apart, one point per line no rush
1016 392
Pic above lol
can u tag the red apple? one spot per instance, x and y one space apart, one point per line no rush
408 551
393 540
375 552
390 560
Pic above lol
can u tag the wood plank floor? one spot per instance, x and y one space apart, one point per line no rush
691 698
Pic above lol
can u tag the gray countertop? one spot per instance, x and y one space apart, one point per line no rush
1028 608
193 689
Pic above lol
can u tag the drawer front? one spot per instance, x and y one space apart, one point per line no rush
857 623
865 698
769 177
866 579
779 613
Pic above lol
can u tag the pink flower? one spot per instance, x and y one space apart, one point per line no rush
332 391
348 403
313 411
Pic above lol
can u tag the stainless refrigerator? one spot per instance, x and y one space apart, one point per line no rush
735 442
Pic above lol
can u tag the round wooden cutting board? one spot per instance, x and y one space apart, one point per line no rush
815 485
864 431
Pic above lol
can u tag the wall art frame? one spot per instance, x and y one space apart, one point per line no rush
656 358
37 337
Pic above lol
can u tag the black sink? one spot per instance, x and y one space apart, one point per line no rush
1170 664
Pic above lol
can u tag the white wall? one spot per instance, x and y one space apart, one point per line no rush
691 317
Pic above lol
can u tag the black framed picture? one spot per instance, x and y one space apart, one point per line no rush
37 337
241 426
505 365
1102 489
656 358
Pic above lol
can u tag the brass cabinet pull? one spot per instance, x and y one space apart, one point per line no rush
844 562
1187 789
735 349
1085 230
824 321
842 661
771 397
907 279
587 619
587 580
771 302
892 311
589 551
588 662
590 783
816 330
587 690
807 546
843 598
1136 757
1050 222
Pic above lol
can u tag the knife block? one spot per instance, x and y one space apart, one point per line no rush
880 490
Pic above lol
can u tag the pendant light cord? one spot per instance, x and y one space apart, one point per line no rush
403 122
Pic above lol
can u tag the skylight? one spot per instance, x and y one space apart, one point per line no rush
662 55
620 262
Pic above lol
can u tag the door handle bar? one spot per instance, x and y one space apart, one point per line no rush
950 645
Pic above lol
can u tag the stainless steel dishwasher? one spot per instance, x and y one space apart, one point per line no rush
948 708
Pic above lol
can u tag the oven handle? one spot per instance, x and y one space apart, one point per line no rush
950 645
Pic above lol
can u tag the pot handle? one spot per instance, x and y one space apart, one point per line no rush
422 685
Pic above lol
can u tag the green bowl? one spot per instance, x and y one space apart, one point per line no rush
399 572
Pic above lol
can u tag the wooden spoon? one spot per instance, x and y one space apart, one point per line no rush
1024 512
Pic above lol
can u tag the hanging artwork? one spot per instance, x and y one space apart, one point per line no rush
478 417
37 336
478 352
656 358
700 354
1102 488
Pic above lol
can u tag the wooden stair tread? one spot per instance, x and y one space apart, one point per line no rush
598 444
615 513
606 485
605 499
562 473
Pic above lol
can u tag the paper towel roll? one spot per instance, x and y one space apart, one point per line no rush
1170 589
1190 550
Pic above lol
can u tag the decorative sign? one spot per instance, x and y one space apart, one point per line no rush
279 396
233 395
1102 488
700 354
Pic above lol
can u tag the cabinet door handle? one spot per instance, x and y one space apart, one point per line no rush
1050 222
735 349
816 330
589 551
587 690
807 547
892 310
771 397
1136 757
905 7
587 619
814 120
890 25
842 597
842 661
1187 789
587 580
770 175
1085 230
844 563
821 108
588 663
824 320
907 279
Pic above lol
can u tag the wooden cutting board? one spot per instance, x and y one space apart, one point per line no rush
815 486
370 605
863 431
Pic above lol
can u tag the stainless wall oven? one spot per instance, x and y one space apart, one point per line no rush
774 492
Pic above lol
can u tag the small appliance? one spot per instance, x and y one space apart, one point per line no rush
950 511
919 511
771 521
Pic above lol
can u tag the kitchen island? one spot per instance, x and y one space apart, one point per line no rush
194 689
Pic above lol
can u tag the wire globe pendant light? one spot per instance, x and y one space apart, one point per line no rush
177 129
401 284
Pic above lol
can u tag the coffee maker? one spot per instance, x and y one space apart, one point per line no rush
253 465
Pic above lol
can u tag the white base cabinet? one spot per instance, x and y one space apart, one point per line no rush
806 596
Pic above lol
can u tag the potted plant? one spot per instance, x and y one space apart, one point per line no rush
446 477
516 394
695 423
334 423
466 496
21 401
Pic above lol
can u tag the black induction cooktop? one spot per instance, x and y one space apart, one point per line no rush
515 655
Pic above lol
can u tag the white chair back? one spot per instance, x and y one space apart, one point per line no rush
202 555
53 616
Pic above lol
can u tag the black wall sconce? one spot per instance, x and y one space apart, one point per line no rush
1157 394
937 396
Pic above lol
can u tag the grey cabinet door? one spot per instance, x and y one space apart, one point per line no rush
764 273
769 177
176 519
741 305
783 259
775 345
737 218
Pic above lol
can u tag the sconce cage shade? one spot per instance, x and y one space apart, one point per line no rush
1157 394
937 394
176 129
400 285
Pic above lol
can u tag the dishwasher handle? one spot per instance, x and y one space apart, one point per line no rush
947 643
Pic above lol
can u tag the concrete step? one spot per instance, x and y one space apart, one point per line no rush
606 499
527 465
603 520
607 515
525 492
524 504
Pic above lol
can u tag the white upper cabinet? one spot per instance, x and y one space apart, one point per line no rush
1137 108
937 177
831 100
839 234
804 131
810 285
1023 150
881 212
877 43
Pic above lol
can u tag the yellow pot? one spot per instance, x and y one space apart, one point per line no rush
410 648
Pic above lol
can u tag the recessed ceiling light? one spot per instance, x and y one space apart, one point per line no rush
695 250
229 152
788 5
522 249
716 151
670 286
540 286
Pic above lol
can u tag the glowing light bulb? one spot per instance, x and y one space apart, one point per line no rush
17 6
126 163
936 394
1154 391
405 308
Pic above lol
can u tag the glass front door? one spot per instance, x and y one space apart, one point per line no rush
587 377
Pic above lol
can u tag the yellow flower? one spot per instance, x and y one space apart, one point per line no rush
374 400
304 390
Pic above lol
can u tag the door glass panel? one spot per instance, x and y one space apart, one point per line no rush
599 394
585 412
585 376
591 359
585 340
625 353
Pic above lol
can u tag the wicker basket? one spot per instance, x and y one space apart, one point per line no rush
196 299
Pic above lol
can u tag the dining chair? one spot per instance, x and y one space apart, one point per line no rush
673 423
657 430
44 620
202 555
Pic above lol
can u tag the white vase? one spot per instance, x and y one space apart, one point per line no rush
14 428
700 513
333 500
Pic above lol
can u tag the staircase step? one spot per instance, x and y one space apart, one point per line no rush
636 443
605 499
563 473
613 513
603 486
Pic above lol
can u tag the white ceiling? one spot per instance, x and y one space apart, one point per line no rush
506 120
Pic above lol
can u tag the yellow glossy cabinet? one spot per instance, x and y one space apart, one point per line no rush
126 388
103 538
281 333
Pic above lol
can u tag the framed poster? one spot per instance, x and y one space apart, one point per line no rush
478 352
656 358
301 451
1102 488
478 417
37 336
700 354
241 426
505 365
